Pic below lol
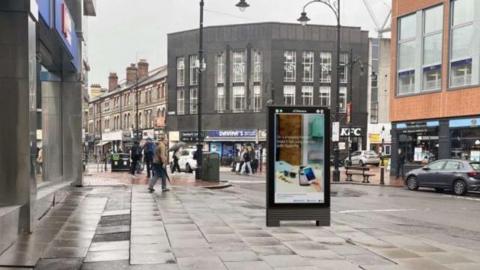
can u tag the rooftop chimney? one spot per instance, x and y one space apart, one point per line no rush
131 74
142 69
112 81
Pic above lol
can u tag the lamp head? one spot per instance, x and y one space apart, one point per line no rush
242 5
303 18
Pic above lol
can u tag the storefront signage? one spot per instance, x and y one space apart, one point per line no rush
189 136
416 125
112 136
298 180
468 122
336 131
65 28
232 133
351 132
375 138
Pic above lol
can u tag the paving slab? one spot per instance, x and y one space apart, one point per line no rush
286 260
109 255
201 263
238 256
59 264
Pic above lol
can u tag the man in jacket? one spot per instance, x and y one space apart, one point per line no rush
135 155
149 152
159 163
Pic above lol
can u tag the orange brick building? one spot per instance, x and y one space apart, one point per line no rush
435 105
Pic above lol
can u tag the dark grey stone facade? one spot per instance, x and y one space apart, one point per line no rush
271 39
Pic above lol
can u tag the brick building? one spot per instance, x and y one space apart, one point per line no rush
111 116
435 105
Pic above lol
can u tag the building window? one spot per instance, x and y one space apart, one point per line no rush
221 68
432 48
180 71
181 102
343 70
193 100
290 65
463 40
238 67
374 113
194 65
406 54
308 64
325 67
220 102
325 96
342 100
257 98
238 99
289 94
257 67
307 95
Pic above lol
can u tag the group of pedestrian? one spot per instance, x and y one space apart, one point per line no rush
247 161
155 158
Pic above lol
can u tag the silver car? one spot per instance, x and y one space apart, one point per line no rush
460 176
363 158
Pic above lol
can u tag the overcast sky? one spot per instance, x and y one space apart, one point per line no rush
126 30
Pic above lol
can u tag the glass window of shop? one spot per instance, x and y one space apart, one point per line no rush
464 43
406 54
432 48
465 143
419 146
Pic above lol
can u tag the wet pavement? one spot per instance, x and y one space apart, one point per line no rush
125 227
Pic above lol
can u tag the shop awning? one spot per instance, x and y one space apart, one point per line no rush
102 143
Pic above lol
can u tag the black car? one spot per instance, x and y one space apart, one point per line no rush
459 176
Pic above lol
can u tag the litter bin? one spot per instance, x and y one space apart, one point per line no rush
211 167
120 162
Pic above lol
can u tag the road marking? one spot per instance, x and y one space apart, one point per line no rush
374 210
462 198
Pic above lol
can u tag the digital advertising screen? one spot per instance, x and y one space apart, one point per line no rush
299 156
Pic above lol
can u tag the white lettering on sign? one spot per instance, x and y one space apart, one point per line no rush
346 132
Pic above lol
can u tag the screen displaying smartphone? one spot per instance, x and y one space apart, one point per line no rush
309 174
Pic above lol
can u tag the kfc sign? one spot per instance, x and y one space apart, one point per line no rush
353 132
66 24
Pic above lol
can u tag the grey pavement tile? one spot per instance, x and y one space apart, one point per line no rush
140 257
65 252
178 221
59 264
464 266
150 248
111 245
286 260
297 268
193 252
226 246
329 240
347 249
368 259
262 241
272 250
146 224
304 245
319 254
395 253
119 236
421 264
111 255
68 235
71 243
256 265
20 258
447 258
334 265
185 243
184 234
148 239
116 212
117 265
207 263
112 229
254 233
181 227
217 230
215 238
238 256
289 236
422 248
148 231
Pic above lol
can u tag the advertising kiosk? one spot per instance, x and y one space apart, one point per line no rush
298 175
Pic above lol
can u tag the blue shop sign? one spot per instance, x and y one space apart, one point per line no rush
232 133
45 11
428 124
65 28
467 122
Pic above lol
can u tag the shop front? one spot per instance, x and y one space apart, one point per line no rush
465 138
351 138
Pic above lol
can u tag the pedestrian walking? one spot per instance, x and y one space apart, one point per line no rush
159 163
149 152
176 157
246 162
400 163
135 156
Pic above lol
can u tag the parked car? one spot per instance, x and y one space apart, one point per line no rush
363 158
460 176
186 161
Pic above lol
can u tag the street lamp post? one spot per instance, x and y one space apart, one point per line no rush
336 115
242 5
382 167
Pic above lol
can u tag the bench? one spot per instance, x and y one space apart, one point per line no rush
363 171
